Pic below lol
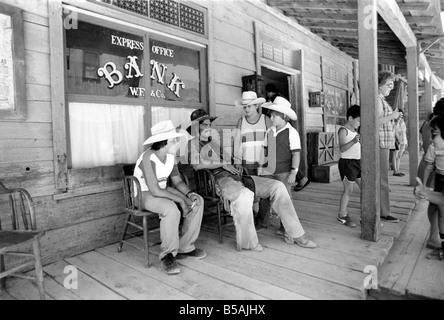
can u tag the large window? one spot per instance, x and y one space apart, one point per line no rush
119 83
12 64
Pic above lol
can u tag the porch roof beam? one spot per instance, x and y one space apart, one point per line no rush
437 84
392 15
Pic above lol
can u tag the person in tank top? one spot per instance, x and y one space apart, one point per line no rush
350 162
153 169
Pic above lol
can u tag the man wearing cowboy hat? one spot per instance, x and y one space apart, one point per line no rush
153 168
248 145
241 198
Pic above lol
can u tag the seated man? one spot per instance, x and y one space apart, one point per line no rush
205 154
153 168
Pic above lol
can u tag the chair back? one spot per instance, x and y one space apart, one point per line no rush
20 207
205 183
132 192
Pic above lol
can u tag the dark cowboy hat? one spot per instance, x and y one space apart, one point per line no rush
198 116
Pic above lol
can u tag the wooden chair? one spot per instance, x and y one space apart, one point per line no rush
134 211
21 239
206 188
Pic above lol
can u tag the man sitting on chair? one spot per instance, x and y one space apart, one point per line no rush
153 168
205 154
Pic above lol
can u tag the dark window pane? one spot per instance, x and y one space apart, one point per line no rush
104 62
175 72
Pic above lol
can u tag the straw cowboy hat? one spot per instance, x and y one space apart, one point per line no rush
199 115
164 130
281 105
248 98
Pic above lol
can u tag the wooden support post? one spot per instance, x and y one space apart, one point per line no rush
413 118
428 95
368 67
57 58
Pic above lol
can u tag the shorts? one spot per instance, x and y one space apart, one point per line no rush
350 168
439 182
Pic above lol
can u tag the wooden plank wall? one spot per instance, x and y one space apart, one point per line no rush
234 57
74 225
26 156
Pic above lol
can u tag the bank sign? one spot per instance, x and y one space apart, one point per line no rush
159 73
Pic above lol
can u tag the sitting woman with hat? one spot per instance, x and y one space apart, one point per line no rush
153 168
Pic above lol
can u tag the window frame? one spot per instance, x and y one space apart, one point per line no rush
18 56
75 174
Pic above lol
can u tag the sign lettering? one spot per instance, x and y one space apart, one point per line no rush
115 77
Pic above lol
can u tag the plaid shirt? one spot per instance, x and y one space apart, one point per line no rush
386 130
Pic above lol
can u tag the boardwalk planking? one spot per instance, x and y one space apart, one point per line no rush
131 284
397 269
88 288
311 287
189 281
427 280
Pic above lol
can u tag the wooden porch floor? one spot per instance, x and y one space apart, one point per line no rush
281 271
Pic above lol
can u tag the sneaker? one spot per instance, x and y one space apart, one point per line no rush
305 243
196 254
436 255
346 221
390 219
169 264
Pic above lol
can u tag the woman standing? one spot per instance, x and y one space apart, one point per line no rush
387 119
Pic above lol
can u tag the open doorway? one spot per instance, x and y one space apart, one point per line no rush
287 85
279 79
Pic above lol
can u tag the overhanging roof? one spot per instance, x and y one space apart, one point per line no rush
410 22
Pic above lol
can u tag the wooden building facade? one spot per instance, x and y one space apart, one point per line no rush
98 74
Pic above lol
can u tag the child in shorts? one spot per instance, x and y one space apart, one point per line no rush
350 161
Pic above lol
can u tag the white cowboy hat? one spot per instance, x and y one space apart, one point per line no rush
161 131
248 98
281 105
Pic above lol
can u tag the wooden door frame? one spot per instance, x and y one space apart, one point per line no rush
296 99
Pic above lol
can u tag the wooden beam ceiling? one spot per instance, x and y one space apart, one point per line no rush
400 24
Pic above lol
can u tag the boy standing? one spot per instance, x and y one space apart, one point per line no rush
282 146
350 161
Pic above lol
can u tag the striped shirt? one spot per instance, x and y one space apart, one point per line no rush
386 130
434 160
252 138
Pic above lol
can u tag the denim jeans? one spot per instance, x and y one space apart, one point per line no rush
169 215
281 202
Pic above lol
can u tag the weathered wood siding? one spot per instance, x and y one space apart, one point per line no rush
92 217
26 157
234 56
73 225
